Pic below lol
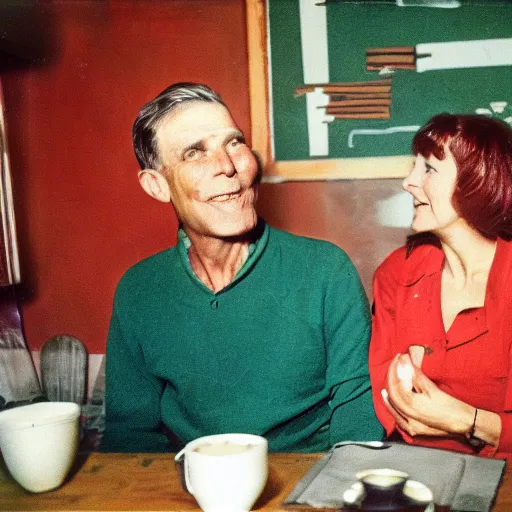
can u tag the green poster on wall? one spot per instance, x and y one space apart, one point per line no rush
356 79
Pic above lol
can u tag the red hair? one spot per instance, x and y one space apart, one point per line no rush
482 150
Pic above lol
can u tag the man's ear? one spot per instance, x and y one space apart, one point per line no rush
155 184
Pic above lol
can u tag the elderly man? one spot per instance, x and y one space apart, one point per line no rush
240 327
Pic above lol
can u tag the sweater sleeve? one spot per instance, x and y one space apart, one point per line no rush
132 397
382 349
347 331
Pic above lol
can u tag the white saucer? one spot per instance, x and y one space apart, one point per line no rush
417 492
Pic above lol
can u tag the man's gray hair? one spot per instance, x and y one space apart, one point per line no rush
150 115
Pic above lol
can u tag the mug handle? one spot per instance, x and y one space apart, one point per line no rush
180 463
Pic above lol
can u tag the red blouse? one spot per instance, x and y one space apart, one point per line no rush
470 362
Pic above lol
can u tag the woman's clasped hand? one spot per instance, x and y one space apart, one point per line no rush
419 406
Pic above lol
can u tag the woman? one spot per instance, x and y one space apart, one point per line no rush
440 358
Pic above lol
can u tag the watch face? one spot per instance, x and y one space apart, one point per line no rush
476 443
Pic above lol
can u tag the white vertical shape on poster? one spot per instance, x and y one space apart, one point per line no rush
315 65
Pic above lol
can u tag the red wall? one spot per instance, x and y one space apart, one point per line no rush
82 217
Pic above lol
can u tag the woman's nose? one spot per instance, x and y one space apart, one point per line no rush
413 178
408 181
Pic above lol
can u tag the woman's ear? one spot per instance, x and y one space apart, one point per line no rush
155 185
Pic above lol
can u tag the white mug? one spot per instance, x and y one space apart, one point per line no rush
225 472
39 443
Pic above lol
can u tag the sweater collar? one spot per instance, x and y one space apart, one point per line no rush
255 251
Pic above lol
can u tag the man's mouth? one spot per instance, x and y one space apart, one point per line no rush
419 203
222 198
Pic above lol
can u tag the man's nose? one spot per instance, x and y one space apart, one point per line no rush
224 164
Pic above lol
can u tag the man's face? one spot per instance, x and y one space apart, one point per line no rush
211 172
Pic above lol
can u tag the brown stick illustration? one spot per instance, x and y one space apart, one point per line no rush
358 102
383 85
393 57
355 100
362 116
356 110
360 96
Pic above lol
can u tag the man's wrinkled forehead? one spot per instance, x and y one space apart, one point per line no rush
191 123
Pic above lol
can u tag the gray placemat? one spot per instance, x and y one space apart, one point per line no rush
479 484
462 482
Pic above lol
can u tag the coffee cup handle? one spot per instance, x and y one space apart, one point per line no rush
180 463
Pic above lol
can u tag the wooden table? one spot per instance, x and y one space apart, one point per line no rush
127 482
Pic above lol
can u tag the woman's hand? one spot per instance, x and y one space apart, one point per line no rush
419 406
410 425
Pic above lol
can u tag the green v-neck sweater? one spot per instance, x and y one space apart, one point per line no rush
281 352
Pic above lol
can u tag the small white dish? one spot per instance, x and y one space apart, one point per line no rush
414 494
354 495
383 478
418 492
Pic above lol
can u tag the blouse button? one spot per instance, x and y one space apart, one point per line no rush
214 304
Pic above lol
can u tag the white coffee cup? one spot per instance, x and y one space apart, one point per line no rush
225 472
39 443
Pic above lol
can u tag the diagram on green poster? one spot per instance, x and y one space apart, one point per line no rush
357 79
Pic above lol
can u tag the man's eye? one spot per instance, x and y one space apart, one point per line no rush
192 154
239 141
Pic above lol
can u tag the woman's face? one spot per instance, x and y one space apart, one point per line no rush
431 184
